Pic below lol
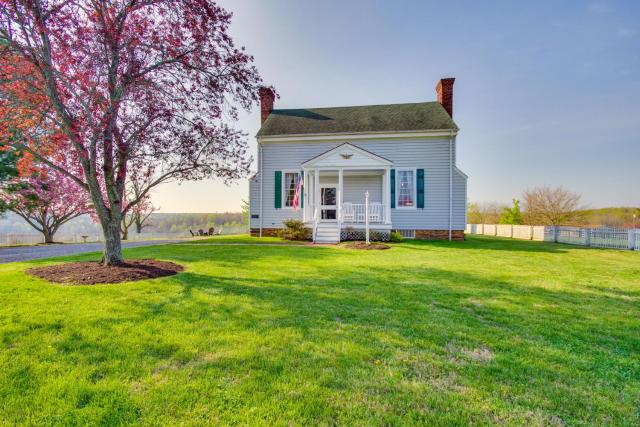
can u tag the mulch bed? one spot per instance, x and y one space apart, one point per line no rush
92 273
364 246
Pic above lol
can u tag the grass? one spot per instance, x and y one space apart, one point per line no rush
482 332
245 239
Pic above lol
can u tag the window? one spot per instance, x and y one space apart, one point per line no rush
408 234
406 191
290 183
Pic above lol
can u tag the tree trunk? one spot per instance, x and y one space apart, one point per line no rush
125 234
138 224
112 254
48 235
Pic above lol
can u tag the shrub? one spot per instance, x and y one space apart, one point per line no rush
295 230
396 237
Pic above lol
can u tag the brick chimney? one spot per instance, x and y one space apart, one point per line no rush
445 94
267 97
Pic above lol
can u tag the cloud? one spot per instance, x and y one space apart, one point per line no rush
598 8
626 33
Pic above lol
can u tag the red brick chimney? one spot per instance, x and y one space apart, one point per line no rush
267 97
445 94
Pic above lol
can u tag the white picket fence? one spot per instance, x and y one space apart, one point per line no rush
602 237
526 232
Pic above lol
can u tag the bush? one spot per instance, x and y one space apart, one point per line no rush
295 230
396 237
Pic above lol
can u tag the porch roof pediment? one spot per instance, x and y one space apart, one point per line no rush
345 156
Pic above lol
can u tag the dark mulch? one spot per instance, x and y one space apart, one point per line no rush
91 273
363 245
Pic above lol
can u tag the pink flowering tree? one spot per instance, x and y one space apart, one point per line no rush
45 200
135 87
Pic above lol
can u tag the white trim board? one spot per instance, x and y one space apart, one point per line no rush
347 156
357 136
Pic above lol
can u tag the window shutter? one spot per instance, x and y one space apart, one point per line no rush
302 189
393 188
277 191
420 183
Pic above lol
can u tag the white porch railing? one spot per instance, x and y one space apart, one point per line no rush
355 213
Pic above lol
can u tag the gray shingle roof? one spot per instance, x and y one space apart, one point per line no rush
369 118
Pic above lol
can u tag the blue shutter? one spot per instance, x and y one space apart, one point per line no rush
393 188
420 183
277 191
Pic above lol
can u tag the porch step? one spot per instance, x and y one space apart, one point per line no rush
327 233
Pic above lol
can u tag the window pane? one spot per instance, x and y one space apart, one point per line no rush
290 183
405 188
328 195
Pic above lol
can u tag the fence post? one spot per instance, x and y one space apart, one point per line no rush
511 232
586 238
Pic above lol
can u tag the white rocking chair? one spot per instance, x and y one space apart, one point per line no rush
347 212
375 212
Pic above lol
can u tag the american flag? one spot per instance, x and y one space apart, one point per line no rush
298 195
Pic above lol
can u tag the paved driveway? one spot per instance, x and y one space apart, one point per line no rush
27 253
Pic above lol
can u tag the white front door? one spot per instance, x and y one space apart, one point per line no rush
328 202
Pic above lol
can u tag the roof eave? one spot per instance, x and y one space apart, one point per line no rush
435 132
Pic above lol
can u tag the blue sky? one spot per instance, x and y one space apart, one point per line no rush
545 92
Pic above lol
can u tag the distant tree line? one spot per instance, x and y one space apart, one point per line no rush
550 206
183 222
159 223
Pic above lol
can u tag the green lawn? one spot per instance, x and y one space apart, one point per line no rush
486 331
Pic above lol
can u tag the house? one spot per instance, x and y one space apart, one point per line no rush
402 156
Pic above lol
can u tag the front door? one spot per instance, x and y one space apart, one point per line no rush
328 206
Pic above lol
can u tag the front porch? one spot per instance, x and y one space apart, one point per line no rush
347 188
339 196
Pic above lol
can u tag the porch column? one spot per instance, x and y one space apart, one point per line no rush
340 196
305 192
387 195
316 193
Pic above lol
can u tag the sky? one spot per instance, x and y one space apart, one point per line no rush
546 92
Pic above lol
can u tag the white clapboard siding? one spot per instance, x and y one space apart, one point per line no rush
354 188
430 154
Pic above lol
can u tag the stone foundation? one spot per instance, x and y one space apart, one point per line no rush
457 235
